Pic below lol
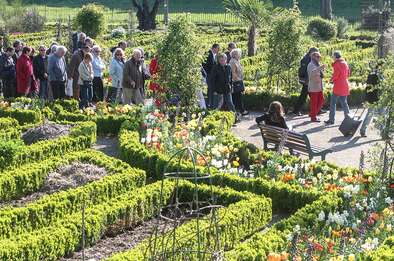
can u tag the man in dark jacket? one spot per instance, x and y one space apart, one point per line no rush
40 68
18 46
303 79
231 46
72 69
208 65
221 82
8 73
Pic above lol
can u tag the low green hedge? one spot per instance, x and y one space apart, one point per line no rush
260 101
13 153
121 179
22 116
384 252
235 223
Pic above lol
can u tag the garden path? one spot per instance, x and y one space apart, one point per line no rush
346 150
108 145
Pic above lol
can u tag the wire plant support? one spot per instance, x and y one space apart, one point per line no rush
203 241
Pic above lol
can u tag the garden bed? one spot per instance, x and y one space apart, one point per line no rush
45 131
66 177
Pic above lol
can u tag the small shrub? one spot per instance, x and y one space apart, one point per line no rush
118 32
322 28
32 21
91 20
342 27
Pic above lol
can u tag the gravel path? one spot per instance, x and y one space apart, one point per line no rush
346 149
109 145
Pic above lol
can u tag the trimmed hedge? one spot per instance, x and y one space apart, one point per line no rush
22 116
236 222
82 136
121 179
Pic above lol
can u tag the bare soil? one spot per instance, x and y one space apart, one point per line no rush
46 131
127 240
65 177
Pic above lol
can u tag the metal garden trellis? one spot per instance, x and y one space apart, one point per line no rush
167 245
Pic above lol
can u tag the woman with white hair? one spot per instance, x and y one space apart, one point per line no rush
116 73
98 69
57 73
237 81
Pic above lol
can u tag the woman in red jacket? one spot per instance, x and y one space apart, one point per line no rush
24 73
341 73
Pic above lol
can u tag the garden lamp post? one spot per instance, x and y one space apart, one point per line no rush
166 12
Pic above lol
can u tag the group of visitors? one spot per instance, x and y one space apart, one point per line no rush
223 74
47 75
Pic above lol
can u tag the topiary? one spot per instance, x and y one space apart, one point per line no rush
91 20
342 27
321 28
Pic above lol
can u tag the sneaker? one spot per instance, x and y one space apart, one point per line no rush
244 113
315 120
329 122
297 113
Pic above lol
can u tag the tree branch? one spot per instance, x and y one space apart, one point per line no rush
156 6
136 5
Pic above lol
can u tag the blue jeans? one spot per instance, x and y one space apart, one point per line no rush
43 89
227 99
86 95
333 106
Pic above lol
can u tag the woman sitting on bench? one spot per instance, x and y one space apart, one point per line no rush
274 116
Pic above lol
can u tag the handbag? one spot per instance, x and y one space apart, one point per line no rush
69 88
238 86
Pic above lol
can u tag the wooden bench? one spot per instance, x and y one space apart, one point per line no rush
295 142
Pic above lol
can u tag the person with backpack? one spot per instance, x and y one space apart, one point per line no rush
371 97
303 79
8 73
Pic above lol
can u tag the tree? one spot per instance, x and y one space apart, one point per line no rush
179 67
326 9
284 45
91 20
146 16
253 12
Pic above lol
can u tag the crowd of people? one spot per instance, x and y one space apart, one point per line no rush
47 75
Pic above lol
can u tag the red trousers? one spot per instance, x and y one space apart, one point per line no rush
316 103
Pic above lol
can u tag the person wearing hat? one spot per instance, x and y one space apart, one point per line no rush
72 71
340 91
303 79
315 85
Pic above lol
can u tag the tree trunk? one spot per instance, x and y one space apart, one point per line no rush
252 40
146 17
326 9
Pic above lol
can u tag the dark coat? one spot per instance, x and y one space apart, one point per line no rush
209 63
40 67
7 68
303 69
133 75
268 120
221 78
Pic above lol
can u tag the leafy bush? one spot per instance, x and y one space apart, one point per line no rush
322 28
342 27
91 20
32 21
8 149
118 32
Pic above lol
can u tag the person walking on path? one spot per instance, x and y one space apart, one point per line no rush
303 79
341 73
133 79
98 69
208 65
237 81
8 73
221 81
40 68
85 81
57 72
116 73
315 85
72 70
24 73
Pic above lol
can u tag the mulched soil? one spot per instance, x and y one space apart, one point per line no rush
65 177
108 246
46 131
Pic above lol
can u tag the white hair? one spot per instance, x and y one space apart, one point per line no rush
236 52
81 34
118 50
61 48
54 48
96 48
137 50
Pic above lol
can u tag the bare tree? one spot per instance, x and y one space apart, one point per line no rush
146 16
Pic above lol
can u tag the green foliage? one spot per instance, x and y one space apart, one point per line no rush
179 63
91 20
32 21
321 28
342 27
254 12
21 115
8 149
30 177
285 48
